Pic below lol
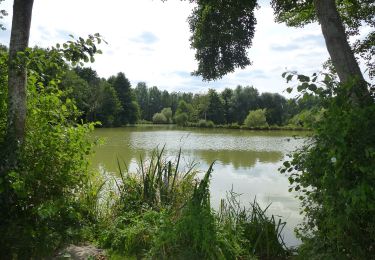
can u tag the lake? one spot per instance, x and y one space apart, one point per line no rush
246 161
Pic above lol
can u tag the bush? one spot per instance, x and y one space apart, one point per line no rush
45 210
181 119
167 112
162 213
40 198
256 118
334 176
306 118
206 123
159 118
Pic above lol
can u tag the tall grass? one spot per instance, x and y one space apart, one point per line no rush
260 234
161 212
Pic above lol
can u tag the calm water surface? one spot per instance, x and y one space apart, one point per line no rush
246 161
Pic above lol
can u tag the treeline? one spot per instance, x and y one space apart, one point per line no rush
114 102
110 101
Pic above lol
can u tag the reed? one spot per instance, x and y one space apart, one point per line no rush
162 212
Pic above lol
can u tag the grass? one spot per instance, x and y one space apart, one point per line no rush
161 212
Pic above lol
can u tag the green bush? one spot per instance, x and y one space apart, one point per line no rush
256 118
334 174
181 119
143 201
40 198
52 172
306 118
162 213
159 118
167 112
206 123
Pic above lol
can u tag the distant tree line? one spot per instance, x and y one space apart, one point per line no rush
114 103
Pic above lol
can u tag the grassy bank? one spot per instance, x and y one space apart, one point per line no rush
164 212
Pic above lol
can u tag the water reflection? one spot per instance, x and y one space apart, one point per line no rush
239 159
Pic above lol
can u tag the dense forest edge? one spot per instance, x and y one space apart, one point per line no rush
114 102
50 103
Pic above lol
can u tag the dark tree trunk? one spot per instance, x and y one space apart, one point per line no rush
341 54
17 77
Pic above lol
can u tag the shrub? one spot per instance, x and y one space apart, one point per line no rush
40 198
144 200
181 119
167 112
334 176
306 118
162 213
52 172
206 123
159 118
254 231
256 118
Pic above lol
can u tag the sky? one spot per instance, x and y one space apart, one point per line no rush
148 40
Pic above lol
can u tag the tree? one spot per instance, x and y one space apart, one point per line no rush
244 100
75 52
49 162
200 106
154 101
79 90
17 75
333 174
221 33
222 30
352 15
226 96
183 113
184 107
109 105
88 74
165 99
142 97
215 109
274 104
123 89
174 101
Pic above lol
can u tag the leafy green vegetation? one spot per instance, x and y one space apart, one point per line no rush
41 206
256 118
99 99
161 212
48 197
334 175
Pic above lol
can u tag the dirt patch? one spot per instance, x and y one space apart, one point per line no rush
83 252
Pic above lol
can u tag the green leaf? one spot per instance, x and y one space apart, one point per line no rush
286 164
289 78
303 78
313 87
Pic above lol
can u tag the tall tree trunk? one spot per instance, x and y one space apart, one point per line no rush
342 56
17 76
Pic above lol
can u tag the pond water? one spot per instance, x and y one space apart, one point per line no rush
246 161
